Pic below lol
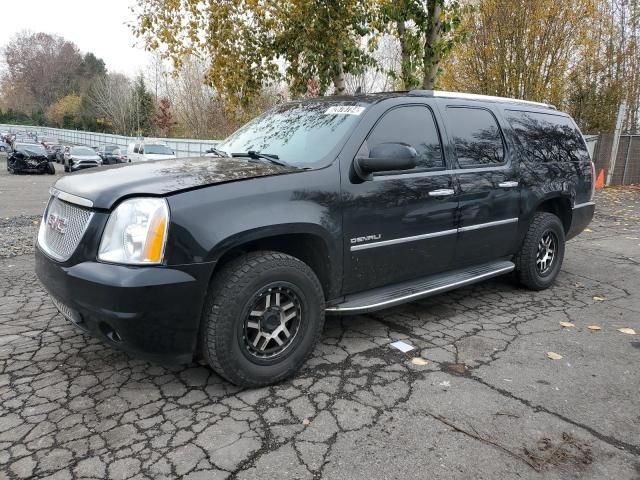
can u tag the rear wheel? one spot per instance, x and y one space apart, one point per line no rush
264 315
540 258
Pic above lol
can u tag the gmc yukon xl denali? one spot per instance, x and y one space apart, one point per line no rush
336 205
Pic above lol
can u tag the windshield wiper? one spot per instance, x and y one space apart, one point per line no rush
269 157
217 152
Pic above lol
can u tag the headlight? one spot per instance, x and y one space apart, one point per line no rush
136 232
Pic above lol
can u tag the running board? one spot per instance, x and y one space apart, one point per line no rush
385 297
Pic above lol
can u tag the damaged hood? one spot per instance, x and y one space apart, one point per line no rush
105 186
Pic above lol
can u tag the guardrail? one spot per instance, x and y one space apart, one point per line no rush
183 147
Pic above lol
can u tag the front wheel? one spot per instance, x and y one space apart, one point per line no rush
51 170
540 257
263 317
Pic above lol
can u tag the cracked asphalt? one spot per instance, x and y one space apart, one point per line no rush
488 404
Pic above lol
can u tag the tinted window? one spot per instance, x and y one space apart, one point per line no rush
157 150
414 126
82 151
476 136
548 138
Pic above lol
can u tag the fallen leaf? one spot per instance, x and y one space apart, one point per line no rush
594 328
419 361
554 356
578 285
628 331
588 230
567 324
599 299
306 422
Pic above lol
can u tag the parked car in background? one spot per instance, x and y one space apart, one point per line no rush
111 155
52 150
149 150
47 141
29 158
60 153
78 158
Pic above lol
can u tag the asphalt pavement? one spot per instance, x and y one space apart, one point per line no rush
478 396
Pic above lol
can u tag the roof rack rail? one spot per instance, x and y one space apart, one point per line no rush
472 96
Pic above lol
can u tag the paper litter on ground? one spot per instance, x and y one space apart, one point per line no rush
402 346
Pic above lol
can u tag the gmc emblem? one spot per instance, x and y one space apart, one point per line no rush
57 223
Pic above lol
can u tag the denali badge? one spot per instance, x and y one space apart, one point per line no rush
368 238
57 223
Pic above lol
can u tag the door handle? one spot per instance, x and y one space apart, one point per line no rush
508 184
443 192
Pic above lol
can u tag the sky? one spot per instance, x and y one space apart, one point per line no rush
97 26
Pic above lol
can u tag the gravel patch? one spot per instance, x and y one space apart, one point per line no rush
18 235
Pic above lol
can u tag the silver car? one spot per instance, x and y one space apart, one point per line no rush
78 158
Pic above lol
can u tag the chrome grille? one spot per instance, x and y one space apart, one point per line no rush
62 228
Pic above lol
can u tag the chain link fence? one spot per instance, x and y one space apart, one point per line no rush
181 146
627 164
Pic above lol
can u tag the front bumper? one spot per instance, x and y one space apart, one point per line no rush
25 166
151 312
74 167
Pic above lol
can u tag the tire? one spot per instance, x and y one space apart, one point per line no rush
51 170
233 318
534 271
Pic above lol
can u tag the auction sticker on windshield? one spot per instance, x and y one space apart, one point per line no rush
344 110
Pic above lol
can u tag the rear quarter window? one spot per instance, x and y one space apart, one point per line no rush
476 136
545 137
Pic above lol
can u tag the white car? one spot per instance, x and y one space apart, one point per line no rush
144 151
79 157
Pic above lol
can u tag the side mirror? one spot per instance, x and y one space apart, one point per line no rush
387 157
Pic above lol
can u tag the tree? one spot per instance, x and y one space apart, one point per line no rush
542 51
65 113
521 48
143 107
111 99
163 120
321 40
251 44
427 31
41 65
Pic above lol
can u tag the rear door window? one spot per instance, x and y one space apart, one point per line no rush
547 137
476 136
412 125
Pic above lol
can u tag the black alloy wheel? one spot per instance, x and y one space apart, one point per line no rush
263 317
540 257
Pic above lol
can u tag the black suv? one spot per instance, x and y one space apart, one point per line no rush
340 205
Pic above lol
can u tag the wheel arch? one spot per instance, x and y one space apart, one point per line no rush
560 206
308 243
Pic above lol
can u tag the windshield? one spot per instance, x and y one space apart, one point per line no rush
300 134
110 148
82 151
31 148
157 150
